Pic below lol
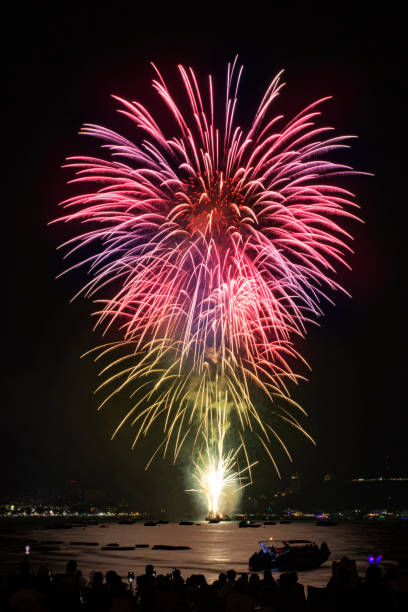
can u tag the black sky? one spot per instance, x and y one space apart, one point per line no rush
63 70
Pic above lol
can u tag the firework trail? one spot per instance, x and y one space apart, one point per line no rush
215 246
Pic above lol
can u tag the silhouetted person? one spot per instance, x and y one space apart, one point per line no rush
376 596
177 578
239 600
228 586
268 589
206 595
44 585
291 596
25 596
147 586
68 588
222 579
254 586
341 589
115 586
98 598
268 578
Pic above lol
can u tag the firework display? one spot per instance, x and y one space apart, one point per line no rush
209 249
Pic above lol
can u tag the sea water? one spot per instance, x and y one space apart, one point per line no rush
214 548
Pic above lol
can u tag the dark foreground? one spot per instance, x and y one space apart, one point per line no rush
44 591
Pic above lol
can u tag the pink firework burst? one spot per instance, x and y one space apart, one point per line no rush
214 246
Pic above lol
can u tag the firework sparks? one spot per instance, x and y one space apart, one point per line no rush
217 478
216 474
215 246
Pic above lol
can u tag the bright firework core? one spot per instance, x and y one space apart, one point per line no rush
210 207
218 478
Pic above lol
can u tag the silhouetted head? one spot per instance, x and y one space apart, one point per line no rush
222 579
190 581
293 577
110 577
243 578
268 576
71 567
231 575
285 581
149 570
254 580
201 581
97 578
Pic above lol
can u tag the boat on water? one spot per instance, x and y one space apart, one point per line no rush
116 548
218 518
250 524
289 555
150 524
186 523
168 547
269 523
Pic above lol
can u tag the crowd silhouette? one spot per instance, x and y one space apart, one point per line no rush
43 591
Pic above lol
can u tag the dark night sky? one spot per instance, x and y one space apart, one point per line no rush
63 71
